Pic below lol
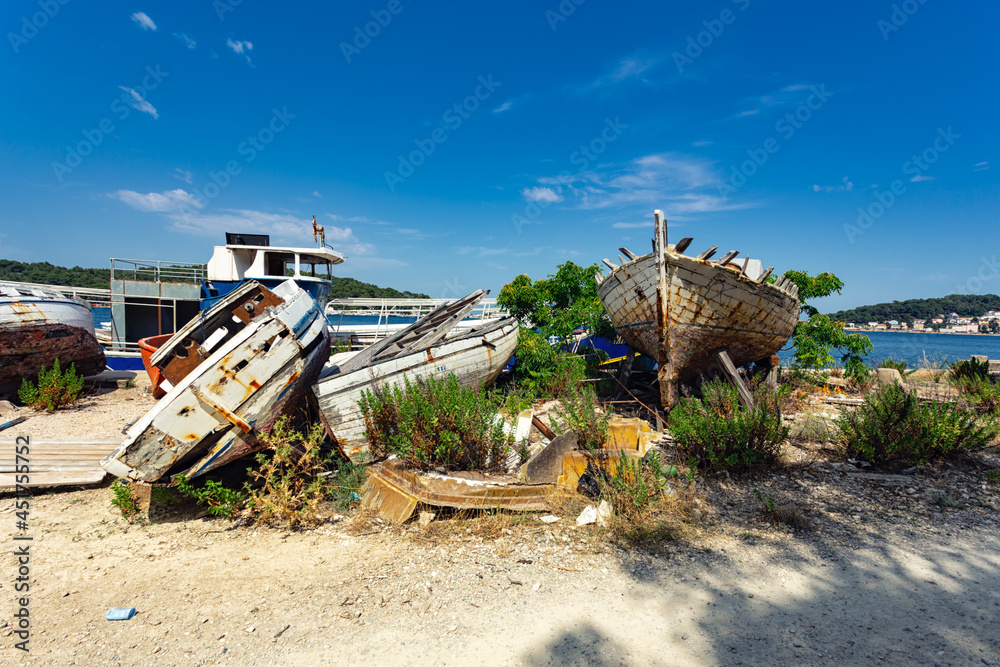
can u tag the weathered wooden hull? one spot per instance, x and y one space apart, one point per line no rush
37 327
215 413
711 308
476 357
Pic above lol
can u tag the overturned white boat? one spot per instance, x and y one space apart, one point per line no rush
685 312
37 326
230 373
476 357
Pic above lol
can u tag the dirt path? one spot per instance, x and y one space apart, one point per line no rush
208 593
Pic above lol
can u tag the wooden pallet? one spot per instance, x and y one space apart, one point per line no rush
56 462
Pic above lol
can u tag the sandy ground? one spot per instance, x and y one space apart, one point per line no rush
889 573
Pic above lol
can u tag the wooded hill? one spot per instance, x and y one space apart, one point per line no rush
49 274
966 305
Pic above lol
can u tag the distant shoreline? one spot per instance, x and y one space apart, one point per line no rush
936 333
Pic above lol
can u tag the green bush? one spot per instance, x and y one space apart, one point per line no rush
432 422
55 389
721 434
980 395
290 482
894 427
541 370
124 499
970 369
346 483
889 362
220 500
578 410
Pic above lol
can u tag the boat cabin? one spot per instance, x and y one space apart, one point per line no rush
251 257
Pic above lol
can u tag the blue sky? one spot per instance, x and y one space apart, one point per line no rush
456 145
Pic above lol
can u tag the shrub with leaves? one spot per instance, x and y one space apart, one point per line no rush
969 369
436 422
123 498
646 510
721 434
220 500
543 371
889 362
894 427
578 411
346 482
55 389
291 483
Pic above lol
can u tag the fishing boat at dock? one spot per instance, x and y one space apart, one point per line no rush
38 326
686 312
229 374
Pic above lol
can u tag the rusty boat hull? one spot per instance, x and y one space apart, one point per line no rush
710 307
476 357
39 326
272 348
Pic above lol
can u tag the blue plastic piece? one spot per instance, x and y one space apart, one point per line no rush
120 614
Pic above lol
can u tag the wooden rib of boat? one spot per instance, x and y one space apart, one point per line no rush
682 311
38 326
476 357
229 374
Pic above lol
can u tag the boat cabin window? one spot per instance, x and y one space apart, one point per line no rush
314 267
280 264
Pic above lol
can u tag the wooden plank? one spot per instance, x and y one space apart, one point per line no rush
665 375
628 253
708 253
611 265
621 260
683 244
57 478
764 275
746 398
728 257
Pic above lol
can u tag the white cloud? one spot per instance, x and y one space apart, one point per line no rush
674 182
632 225
316 194
143 21
188 42
137 102
239 47
921 177
631 68
699 144
503 107
185 176
481 251
544 194
165 202
845 186
498 267
981 166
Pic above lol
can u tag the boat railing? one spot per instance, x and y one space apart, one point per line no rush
384 308
157 271
95 296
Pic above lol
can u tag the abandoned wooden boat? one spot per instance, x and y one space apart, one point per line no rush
38 326
690 313
229 374
475 357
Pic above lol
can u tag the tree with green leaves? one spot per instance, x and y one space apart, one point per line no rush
560 304
816 337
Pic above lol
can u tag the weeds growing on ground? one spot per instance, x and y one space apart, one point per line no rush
55 389
894 427
346 482
647 510
781 515
889 362
721 434
436 422
124 500
290 475
579 412
811 428
218 499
